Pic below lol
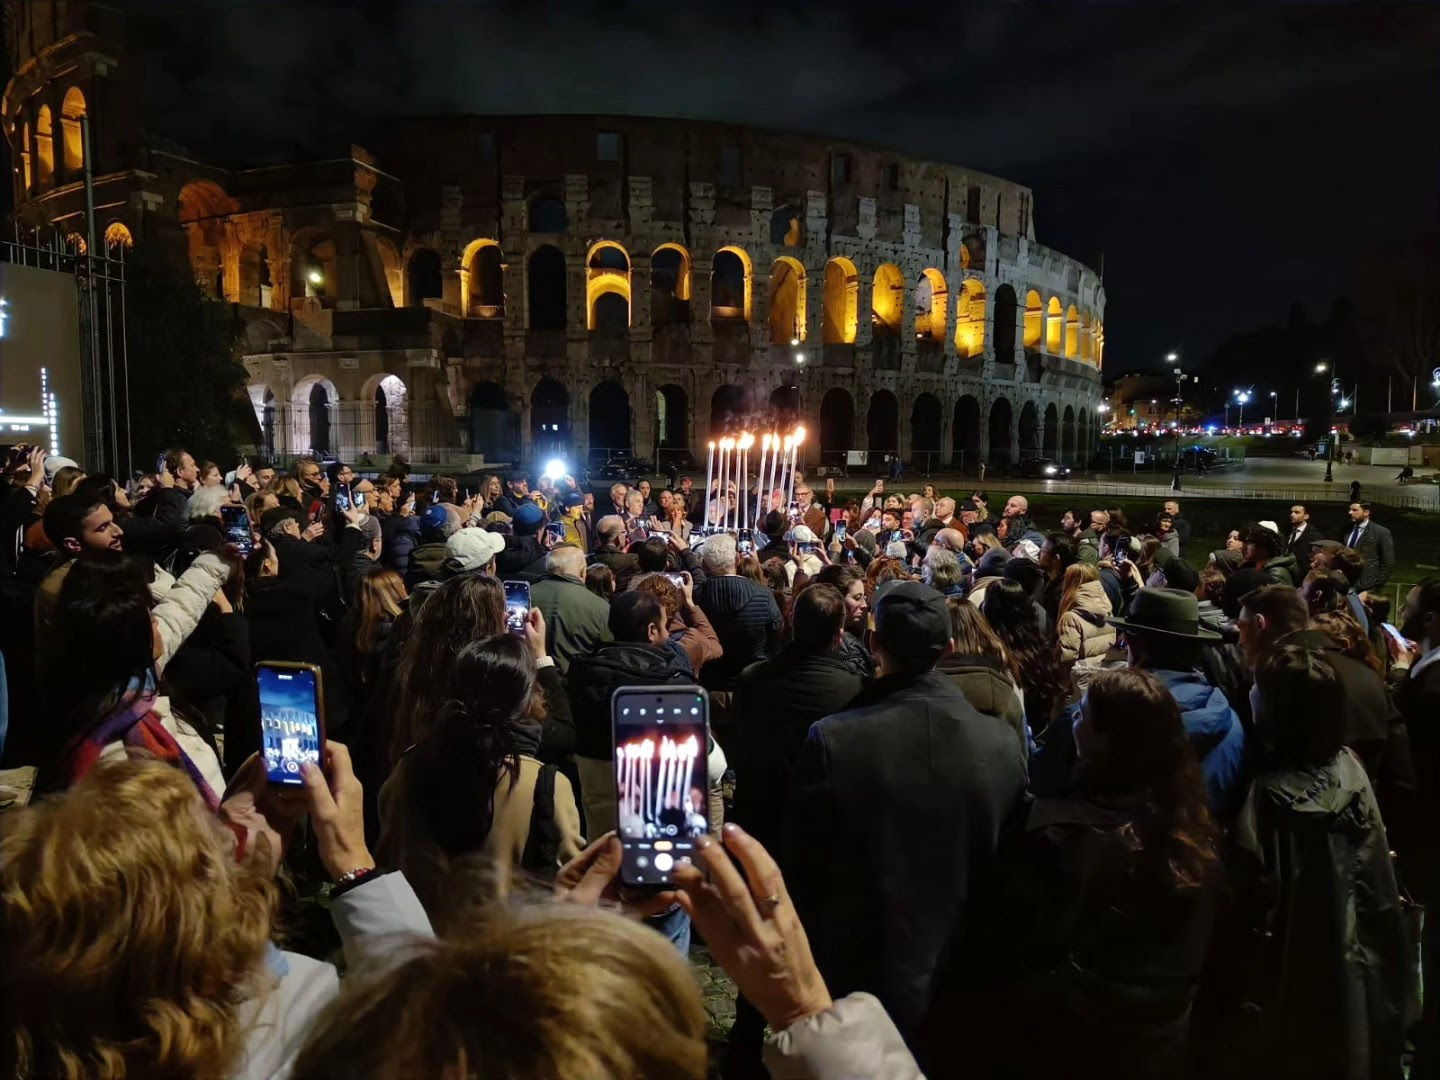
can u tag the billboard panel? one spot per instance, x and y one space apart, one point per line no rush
40 396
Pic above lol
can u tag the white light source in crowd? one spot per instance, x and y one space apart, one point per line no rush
799 358
315 277
1344 403
1321 368
554 469
794 341
1172 357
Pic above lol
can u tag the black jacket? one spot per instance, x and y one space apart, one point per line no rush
746 620
1377 547
900 803
523 557
776 701
1300 546
775 549
592 680
1418 836
621 563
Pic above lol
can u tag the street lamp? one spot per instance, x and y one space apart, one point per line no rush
1330 433
1174 358
1242 396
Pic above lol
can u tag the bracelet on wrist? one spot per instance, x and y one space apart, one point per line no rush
348 880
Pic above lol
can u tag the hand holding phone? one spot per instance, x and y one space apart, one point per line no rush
292 718
1401 649
237 528
517 606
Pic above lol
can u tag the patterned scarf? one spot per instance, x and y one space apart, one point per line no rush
135 724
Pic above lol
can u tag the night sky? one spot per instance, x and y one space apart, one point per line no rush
1227 161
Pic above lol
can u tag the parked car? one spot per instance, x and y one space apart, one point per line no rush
1044 469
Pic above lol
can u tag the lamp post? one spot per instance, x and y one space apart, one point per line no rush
1274 407
1242 396
1320 369
1174 358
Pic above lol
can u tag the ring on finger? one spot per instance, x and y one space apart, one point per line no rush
771 902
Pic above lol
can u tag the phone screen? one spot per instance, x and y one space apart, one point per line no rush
807 547
342 497
744 543
237 528
517 605
291 726
556 529
678 580
840 531
358 498
661 786
1395 634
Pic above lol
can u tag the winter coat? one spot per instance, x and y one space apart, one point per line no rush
523 557
425 563
911 770
988 687
775 703
746 620
1085 636
576 620
1320 951
399 537
854 1037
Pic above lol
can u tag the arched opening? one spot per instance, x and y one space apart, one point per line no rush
785 406
887 313
423 279
117 236
932 300
312 266
203 207
925 423
1085 436
1005 307
882 424
672 418
669 285
970 319
391 416
546 287
484 280
72 108
1034 320
263 402
607 288
729 406
730 285
1000 418
1087 337
1050 442
609 420
1099 343
1029 431
785 229
45 146
1054 327
319 408
842 302
1072 332
1067 433
262 275
549 419
837 426
548 215
492 424
312 409
26 162
965 434
787 301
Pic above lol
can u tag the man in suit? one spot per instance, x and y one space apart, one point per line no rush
1375 545
900 802
1415 679
1302 535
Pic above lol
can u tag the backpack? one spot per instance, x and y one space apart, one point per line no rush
542 844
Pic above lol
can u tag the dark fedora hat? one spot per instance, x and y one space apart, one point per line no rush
1165 611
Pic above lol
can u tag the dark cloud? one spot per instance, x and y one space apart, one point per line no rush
1226 160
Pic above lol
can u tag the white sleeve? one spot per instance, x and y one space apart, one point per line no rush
853 1039
179 611
374 913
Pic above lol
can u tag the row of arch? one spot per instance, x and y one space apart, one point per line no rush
38 150
1055 432
315 420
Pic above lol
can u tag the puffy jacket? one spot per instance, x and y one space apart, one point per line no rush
987 686
400 536
1085 636
592 679
576 620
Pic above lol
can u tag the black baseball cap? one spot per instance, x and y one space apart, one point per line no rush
912 621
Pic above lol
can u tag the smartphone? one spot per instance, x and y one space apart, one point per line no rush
357 499
1121 551
840 531
517 606
1395 634
745 543
556 532
292 718
343 500
808 547
678 580
661 739
237 527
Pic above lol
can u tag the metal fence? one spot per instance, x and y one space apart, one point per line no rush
357 432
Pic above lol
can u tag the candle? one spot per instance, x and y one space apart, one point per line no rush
760 478
709 477
794 462
719 510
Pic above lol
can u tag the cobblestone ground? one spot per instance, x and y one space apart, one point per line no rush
717 990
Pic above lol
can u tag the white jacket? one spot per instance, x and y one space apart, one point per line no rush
853 1039
190 740
180 603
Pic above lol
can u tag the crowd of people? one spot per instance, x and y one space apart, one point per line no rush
986 795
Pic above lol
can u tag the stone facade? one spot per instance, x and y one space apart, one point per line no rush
509 287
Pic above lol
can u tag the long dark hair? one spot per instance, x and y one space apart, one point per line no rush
472 739
1010 612
463 609
1148 765
102 641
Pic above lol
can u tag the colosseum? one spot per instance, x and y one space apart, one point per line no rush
481 289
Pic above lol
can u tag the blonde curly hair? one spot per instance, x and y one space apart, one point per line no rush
129 936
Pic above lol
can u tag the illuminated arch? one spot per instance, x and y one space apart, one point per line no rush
312 266
970 319
887 299
26 161
44 146
76 243
202 207
482 280
1034 320
383 404
730 285
1099 343
72 108
1054 326
932 302
117 235
787 301
842 302
670 285
607 287
1072 332
1087 338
